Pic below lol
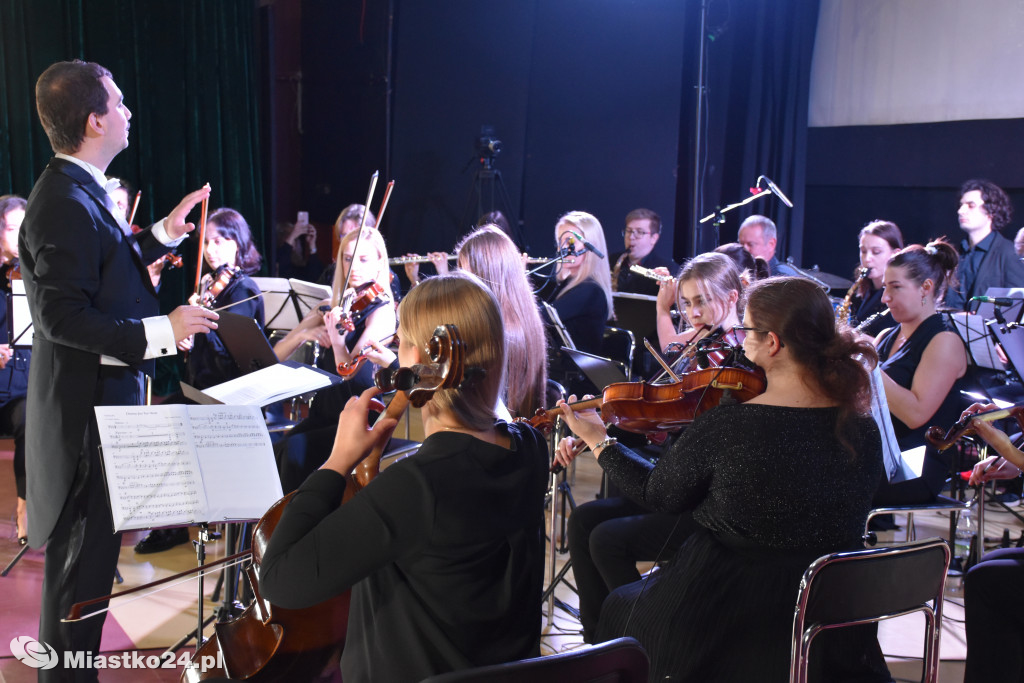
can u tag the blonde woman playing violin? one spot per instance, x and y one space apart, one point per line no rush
707 292
357 339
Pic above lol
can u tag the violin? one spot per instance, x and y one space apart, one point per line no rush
366 296
711 350
171 260
965 427
270 643
13 268
213 285
644 408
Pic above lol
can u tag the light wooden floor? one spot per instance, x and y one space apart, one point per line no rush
160 620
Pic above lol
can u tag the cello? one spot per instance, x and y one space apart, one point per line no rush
270 643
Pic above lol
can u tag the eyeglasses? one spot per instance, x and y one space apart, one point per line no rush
756 329
632 232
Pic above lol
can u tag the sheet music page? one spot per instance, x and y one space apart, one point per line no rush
267 385
151 467
891 455
237 461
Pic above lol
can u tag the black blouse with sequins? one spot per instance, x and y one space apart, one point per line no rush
772 475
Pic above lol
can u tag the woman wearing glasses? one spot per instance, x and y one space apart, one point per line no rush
707 293
771 485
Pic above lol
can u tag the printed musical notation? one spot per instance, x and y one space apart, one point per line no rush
176 464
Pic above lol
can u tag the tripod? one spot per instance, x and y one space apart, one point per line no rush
487 183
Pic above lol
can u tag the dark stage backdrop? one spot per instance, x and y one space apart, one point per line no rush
593 101
909 174
584 97
187 69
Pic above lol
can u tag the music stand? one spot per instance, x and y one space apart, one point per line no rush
978 339
245 341
19 322
288 301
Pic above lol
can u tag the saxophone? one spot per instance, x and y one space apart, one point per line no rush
843 309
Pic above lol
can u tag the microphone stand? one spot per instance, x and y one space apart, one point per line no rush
719 215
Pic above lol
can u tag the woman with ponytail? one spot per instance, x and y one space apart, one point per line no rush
922 361
771 485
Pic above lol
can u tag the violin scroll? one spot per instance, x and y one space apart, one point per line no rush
943 439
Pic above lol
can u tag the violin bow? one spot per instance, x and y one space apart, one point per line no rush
384 202
202 242
135 207
359 236
661 361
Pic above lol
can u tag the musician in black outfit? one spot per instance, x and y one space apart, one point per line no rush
443 551
643 228
13 361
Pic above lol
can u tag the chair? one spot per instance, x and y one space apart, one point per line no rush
940 504
622 660
620 346
866 586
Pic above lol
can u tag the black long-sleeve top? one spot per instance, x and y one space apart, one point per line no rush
443 552
775 476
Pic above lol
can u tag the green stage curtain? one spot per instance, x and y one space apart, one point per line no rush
189 73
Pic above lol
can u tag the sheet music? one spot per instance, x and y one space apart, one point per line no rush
151 466
228 441
170 465
267 385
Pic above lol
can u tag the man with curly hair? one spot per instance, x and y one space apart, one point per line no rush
988 259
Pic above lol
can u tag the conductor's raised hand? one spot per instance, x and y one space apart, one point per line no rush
355 437
586 424
187 320
175 224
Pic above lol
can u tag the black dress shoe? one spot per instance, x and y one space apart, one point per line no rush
159 540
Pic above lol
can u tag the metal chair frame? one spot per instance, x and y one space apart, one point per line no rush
868 586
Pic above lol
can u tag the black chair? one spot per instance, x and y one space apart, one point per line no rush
866 586
622 660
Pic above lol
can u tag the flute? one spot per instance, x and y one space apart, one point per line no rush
401 260
648 273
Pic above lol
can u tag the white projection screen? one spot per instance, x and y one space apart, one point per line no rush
880 62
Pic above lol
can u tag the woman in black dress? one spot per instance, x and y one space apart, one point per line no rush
583 294
923 362
444 549
231 257
772 484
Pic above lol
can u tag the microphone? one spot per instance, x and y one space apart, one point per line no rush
588 246
997 300
776 191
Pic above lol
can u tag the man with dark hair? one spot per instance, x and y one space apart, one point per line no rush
643 228
96 330
987 258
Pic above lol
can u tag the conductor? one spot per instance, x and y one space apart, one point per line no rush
97 329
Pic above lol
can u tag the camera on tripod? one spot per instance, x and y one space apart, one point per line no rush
487 145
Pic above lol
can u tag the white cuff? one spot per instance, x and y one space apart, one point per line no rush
160 233
159 337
